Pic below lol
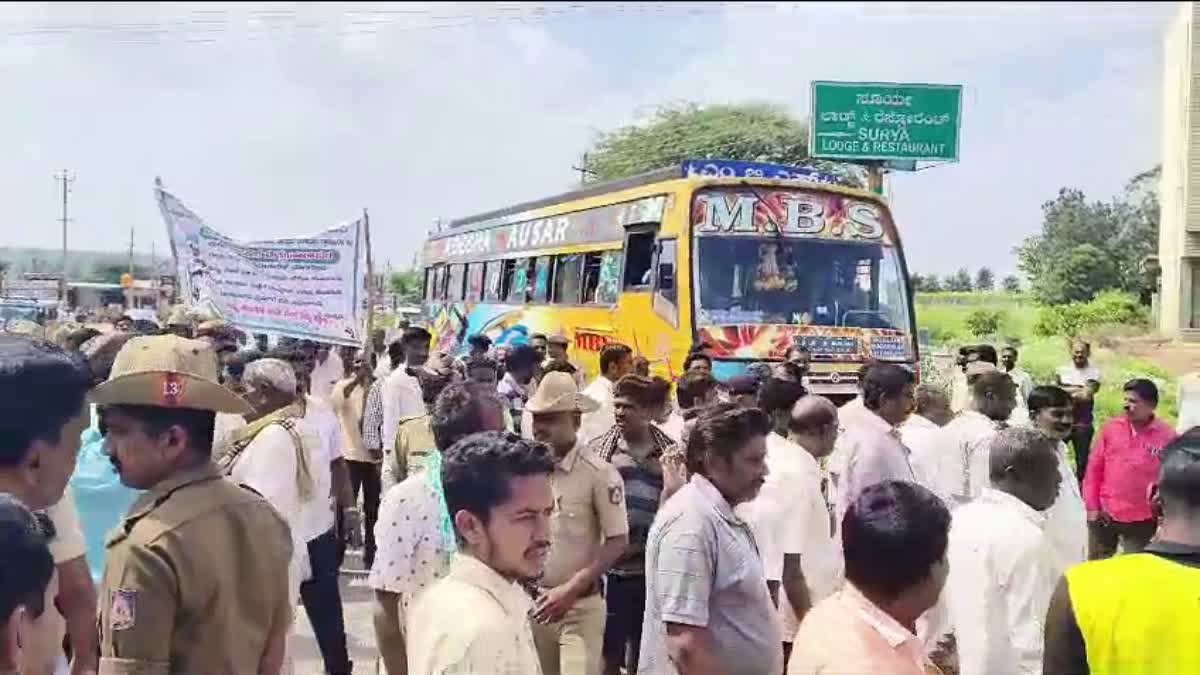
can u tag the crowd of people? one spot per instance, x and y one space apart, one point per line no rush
519 519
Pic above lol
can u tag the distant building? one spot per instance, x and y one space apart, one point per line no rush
1179 190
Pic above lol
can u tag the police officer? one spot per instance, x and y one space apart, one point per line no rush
195 578
589 533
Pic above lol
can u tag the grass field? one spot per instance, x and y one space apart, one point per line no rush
942 316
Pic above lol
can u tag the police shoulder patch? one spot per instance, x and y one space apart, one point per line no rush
616 494
122 613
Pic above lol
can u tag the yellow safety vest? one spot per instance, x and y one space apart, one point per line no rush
1139 615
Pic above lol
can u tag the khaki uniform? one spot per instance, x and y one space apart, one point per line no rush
195 580
414 442
589 507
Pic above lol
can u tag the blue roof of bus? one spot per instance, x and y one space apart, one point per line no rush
730 168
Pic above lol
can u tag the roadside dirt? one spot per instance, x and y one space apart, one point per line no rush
1174 357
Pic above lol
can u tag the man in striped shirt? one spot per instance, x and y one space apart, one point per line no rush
636 448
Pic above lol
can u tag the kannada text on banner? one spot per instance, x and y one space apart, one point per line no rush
303 287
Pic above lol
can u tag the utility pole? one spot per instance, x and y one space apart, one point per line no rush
583 170
66 179
131 251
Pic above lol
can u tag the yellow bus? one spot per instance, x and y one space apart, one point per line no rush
748 259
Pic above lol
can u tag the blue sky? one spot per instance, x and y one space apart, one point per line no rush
283 123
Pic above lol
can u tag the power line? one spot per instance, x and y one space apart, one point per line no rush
209 25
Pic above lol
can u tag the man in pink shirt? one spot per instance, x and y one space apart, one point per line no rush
1123 465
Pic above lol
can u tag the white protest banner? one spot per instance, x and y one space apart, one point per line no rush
311 288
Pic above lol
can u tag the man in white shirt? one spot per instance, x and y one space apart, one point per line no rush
272 455
319 518
920 433
476 619
1051 412
778 514
960 393
1024 383
401 390
328 369
416 540
1082 381
872 444
1003 568
817 564
1008 363
379 354
616 361
848 416
960 471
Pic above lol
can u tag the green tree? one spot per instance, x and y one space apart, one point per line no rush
985 280
1123 230
406 286
760 132
984 322
924 283
959 281
1083 272
1011 283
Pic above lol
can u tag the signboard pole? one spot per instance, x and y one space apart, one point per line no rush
366 220
875 178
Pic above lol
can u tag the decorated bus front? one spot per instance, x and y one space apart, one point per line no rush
775 267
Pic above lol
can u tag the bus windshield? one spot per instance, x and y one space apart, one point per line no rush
773 280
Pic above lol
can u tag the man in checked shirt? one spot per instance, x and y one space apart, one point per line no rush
372 423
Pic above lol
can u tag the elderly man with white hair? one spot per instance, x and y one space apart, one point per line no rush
271 454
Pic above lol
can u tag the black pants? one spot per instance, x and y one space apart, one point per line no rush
625 600
365 476
1104 537
323 602
1081 443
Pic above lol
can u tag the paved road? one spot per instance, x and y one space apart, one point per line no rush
360 633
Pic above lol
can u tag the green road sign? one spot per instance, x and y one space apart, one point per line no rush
884 121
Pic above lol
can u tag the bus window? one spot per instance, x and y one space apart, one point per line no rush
493 274
474 281
639 255
610 278
541 279
516 280
439 283
601 272
429 282
591 276
665 284
567 275
454 285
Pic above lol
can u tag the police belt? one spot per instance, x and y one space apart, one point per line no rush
587 593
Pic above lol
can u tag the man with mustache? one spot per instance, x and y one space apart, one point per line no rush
195 579
1052 413
414 533
589 531
638 450
475 620
1123 465
708 609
